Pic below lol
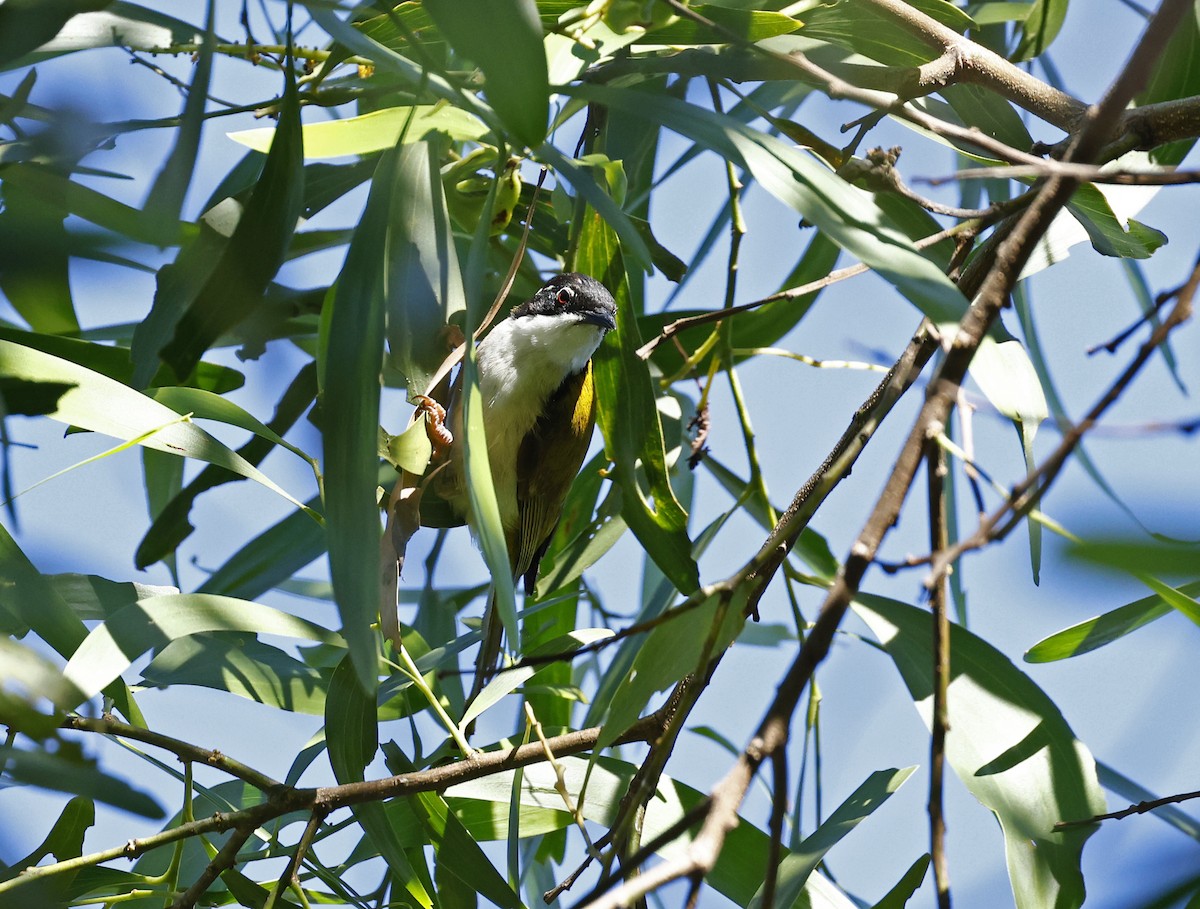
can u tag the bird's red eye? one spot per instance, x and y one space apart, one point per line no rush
564 295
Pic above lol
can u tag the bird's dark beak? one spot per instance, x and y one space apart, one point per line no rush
600 317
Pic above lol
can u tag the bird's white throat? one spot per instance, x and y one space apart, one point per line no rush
521 363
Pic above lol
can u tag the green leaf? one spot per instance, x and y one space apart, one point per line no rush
424 284
351 731
26 24
64 772
481 492
848 215
1109 237
597 787
111 647
1039 28
510 680
1010 746
96 598
494 34
898 896
350 366
255 250
118 24
374 131
164 201
672 650
171 525
271 557
29 601
1103 629
794 870
27 679
1176 75
115 362
629 419
35 245
1138 556
100 404
242 665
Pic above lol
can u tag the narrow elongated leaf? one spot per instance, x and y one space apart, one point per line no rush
93 597
254 252
100 404
1010 746
494 33
898 896
30 602
117 24
629 419
424 284
115 362
794 870
481 492
1103 629
61 773
171 524
672 650
271 557
1176 75
1039 28
111 647
374 131
798 180
350 366
351 731
242 665
35 245
165 198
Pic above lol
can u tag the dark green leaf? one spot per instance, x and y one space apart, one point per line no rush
352 735
273 556
350 367
898 896
255 250
34 250
1103 629
165 199
26 24
149 624
424 285
64 772
794 870
494 34
1108 236
1176 75
629 419
1039 28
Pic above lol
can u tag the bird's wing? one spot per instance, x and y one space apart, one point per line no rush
550 457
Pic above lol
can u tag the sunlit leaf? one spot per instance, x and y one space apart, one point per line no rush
111 647
1010 746
373 131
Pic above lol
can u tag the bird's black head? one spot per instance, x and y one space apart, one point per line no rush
573 294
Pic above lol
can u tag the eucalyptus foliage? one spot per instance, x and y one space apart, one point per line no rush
465 138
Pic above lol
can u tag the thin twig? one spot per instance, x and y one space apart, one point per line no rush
185 751
1139 808
935 461
223 861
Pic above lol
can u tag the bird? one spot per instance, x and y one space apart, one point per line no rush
539 412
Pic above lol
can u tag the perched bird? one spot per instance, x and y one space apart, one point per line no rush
539 409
